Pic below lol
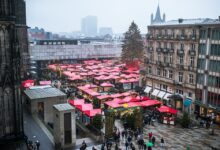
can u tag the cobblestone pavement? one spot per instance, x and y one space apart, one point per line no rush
177 138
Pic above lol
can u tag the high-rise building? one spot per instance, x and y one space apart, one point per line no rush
208 74
13 48
89 26
157 18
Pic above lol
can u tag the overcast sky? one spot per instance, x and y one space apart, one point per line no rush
65 15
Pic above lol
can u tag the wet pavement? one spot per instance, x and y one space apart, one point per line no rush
176 138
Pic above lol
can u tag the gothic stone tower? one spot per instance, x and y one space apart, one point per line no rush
13 43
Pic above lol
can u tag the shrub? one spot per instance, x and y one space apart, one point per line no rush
185 120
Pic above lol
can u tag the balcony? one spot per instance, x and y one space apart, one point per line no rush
192 37
159 63
167 64
191 68
192 52
180 52
171 50
170 36
159 37
165 50
159 49
150 49
149 36
180 66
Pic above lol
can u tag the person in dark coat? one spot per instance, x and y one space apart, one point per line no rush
126 145
153 140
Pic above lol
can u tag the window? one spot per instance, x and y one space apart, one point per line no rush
193 46
159 57
192 61
170 58
201 63
214 81
214 66
216 34
215 50
213 98
166 59
165 31
165 73
171 46
180 76
190 94
203 34
179 91
151 57
200 78
165 45
158 71
170 74
194 32
202 49
182 46
163 87
181 59
191 78
150 70
159 45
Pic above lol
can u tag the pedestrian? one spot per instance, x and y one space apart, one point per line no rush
126 145
149 148
150 134
116 146
93 148
103 147
153 140
161 142
37 144
145 146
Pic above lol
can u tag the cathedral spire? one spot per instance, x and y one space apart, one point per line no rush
158 18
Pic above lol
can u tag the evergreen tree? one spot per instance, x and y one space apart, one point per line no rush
132 48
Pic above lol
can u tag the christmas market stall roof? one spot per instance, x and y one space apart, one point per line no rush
43 92
93 112
150 103
76 102
166 109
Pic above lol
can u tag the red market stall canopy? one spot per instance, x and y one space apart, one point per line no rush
104 97
144 98
45 82
128 99
113 104
166 109
150 103
76 102
107 85
84 107
117 95
27 83
134 104
93 112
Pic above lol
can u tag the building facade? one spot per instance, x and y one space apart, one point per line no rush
208 77
172 49
13 48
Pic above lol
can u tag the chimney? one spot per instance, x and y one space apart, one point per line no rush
180 20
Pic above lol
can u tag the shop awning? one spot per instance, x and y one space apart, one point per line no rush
155 92
76 102
166 96
84 107
161 94
147 89
113 104
187 102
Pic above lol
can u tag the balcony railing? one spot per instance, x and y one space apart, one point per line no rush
150 48
159 49
192 52
180 66
149 36
180 52
165 50
171 50
192 37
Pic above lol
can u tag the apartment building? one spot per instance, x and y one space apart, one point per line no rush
171 61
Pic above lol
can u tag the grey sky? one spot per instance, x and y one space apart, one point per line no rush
65 15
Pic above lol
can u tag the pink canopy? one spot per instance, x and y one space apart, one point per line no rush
76 102
104 97
113 104
116 95
166 109
107 85
84 107
150 103
134 104
27 83
45 82
93 112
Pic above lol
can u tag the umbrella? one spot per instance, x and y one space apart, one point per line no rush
149 144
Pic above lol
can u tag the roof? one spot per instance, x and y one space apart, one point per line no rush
46 92
63 107
197 21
